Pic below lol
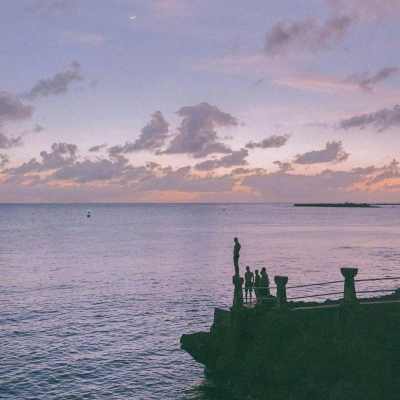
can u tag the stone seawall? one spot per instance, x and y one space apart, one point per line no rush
338 352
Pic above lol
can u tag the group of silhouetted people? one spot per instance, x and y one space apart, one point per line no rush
260 283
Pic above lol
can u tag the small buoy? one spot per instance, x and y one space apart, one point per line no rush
88 214
224 209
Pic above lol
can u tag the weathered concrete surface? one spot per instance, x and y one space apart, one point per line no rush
335 353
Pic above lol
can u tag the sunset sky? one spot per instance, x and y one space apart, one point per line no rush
200 101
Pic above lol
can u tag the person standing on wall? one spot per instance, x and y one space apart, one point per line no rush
264 291
248 282
236 250
257 284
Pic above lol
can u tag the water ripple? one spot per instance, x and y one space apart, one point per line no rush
95 309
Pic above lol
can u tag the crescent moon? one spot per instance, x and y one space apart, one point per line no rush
132 17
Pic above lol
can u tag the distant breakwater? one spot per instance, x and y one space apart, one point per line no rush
357 205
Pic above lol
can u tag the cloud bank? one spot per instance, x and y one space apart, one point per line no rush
62 176
61 154
89 171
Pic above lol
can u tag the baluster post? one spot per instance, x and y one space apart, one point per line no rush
281 282
349 294
238 291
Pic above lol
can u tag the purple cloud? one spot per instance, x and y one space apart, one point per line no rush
367 82
152 137
98 148
181 180
284 166
197 135
3 160
89 171
61 154
322 187
380 120
38 128
333 152
307 32
236 158
6 142
57 85
11 108
388 172
271 142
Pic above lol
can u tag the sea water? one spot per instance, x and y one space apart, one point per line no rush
94 307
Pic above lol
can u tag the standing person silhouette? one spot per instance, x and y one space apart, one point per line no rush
248 282
264 283
236 250
257 284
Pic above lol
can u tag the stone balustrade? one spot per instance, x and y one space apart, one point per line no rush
280 301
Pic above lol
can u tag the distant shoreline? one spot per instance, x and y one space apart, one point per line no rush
359 205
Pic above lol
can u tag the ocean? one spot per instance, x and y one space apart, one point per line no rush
93 308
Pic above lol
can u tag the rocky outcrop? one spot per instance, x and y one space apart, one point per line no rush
331 352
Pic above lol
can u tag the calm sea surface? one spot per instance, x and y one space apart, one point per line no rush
93 308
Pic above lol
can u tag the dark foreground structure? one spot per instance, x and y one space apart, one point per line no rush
338 350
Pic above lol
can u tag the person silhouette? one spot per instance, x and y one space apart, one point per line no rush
248 282
257 284
264 283
236 250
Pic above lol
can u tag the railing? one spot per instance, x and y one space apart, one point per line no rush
356 282
348 295
314 295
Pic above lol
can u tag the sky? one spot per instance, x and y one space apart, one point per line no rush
222 101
